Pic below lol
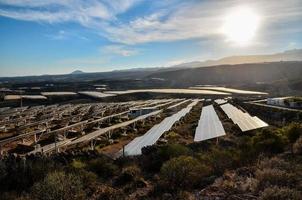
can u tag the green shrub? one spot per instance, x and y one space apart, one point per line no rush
293 131
172 136
173 150
103 167
269 142
183 172
277 193
221 159
154 156
58 185
78 164
21 174
129 174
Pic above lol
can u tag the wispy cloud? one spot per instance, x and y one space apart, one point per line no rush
64 35
119 50
57 11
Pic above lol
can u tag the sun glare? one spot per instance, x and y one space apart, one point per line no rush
240 25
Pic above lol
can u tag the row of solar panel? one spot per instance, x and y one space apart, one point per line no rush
220 101
150 138
209 125
242 119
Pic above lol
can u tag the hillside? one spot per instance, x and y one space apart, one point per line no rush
241 74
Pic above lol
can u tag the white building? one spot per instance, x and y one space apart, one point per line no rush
285 101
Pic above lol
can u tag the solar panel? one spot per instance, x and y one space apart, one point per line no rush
150 138
220 101
178 104
242 119
209 125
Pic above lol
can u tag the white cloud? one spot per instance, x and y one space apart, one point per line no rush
54 11
119 50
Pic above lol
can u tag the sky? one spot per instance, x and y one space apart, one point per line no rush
60 36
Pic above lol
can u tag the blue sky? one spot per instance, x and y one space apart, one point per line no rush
60 36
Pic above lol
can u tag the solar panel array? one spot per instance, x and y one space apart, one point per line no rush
96 94
178 104
209 125
220 101
150 138
242 119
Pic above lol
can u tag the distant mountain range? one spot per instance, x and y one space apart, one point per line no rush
229 70
290 55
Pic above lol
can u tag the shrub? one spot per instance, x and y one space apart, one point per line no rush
103 167
297 147
172 136
173 150
128 174
21 174
183 172
3 171
108 193
293 131
89 181
77 164
221 159
270 177
275 162
154 157
269 142
277 193
235 183
58 185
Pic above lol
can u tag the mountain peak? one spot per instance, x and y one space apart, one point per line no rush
77 72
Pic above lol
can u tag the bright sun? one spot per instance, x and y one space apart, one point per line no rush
240 25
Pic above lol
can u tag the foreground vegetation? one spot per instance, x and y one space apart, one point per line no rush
266 164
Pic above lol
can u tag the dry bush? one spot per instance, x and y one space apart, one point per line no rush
235 183
274 162
277 193
297 147
108 193
269 177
